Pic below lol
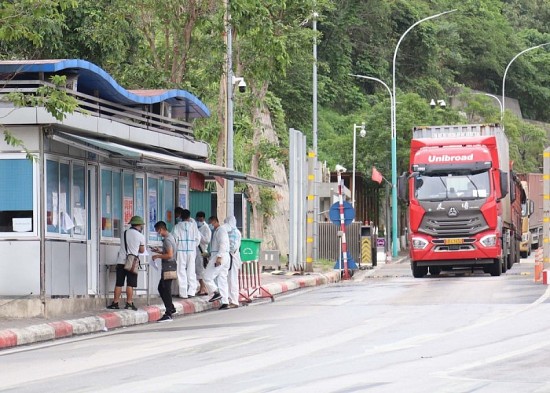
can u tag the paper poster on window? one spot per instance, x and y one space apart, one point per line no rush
79 220
55 212
22 224
62 202
152 210
128 203
77 195
66 223
108 204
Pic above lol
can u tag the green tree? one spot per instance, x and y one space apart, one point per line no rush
34 22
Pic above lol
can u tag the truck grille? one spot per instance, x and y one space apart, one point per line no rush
453 226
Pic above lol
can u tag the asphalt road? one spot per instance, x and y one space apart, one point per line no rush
384 332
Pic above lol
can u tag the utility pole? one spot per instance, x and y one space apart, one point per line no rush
229 189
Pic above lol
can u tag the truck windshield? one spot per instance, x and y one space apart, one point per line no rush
452 187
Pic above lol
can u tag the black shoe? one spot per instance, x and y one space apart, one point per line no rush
130 306
216 296
173 311
224 307
165 318
113 306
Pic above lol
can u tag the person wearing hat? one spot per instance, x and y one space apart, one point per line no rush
132 242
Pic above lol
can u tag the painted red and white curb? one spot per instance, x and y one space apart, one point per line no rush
117 319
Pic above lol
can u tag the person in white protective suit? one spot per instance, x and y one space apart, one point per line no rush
187 238
235 260
202 252
218 266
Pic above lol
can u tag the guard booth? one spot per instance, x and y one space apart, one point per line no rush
368 246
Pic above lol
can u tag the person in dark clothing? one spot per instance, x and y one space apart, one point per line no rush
168 258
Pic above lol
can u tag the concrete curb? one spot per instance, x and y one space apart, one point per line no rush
106 321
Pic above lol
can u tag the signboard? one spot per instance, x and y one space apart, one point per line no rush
380 242
334 213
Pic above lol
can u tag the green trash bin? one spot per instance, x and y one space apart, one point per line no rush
250 249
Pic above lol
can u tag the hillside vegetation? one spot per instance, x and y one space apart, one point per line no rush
180 44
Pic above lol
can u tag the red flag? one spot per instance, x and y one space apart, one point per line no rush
376 176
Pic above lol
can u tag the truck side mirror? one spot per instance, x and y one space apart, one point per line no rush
513 193
503 184
531 207
402 187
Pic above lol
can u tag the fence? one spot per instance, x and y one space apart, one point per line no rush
328 241
250 282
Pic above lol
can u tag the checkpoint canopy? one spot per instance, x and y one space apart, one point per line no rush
116 150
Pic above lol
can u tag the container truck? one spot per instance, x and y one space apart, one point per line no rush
464 201
536 195
525 244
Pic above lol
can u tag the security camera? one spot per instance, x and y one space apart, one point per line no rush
442 103
339 168
432 103
242 86
240 83
362 131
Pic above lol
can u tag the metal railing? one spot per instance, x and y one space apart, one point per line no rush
141 117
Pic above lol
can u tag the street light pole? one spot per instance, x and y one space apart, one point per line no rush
499 104
362 128
506 72
229 190
394 135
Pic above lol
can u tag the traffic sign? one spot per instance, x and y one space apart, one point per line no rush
334 213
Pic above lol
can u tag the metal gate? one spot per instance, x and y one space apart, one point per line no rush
328 241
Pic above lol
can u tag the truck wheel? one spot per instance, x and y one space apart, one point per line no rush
523 254
496 267
435 270
419 271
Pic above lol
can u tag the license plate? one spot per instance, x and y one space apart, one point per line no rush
454 241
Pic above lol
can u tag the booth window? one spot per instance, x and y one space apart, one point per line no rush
79 199
111 203
161 198
183 193
58 198
139 209
128 207
169 203
17 204
153 206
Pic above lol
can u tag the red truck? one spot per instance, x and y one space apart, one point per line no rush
464 200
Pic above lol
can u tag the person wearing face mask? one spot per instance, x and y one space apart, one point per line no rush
235 260
202 251
187 237
132 242
218 266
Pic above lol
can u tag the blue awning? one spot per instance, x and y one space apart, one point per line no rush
92 79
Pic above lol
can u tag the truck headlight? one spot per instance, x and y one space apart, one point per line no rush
489 241
419 243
